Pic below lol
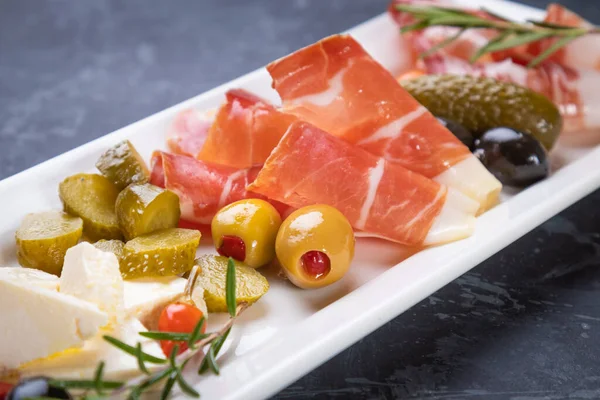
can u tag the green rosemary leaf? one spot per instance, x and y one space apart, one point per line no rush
442 44
174 336
516 40
230 295
549 25
140 361
185 387
484 49
132 350
152 380
466 21
168 386
196 333
134 394
98 378
551 50
212 360
414 27
84 384
218 343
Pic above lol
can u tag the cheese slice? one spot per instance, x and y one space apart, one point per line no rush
32 276
93 275
81 363
37 322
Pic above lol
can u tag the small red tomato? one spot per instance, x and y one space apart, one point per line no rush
178 317
4 389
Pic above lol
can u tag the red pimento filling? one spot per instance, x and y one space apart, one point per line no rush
232 246
316 264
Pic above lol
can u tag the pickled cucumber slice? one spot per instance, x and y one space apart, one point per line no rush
145 208
161 253
44 238
92 197
480 104
111 246
250 285
123 165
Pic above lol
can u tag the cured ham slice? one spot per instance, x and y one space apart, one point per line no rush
204 188
245 130
335 85
572 90
310 166
188 132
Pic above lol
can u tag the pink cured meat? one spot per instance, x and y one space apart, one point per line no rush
309 166
204 188
337 86
188 132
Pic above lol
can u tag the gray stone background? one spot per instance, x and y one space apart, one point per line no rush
523 325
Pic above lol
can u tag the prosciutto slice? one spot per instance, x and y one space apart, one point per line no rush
335 85
245 130
381 198
204 188
188 132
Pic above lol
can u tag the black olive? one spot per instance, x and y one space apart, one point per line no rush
515 158
459 131
38 386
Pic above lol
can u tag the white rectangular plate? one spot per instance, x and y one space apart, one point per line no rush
291 331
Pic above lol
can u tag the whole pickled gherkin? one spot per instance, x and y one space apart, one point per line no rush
92 197
123 165
145 208
44 238
480 104
163 253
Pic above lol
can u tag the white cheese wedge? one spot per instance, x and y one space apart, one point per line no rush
37 322
145 298
31 276
81 363
93 275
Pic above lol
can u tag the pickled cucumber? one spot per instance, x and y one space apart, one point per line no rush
123 165
111 246
92 197
145 208
44 238
480 104
250 285
161 253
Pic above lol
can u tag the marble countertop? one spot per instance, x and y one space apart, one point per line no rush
523 325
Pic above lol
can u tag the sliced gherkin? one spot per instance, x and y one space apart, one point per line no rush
250 284
145 208
162 253
92 197
44 238
480 104
123 165
111 246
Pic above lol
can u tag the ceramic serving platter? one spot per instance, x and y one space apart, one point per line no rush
291 331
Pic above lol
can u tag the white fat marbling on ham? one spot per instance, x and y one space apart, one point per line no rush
391 130
374 176
227 186
326 97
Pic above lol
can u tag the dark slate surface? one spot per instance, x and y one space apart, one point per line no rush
524 325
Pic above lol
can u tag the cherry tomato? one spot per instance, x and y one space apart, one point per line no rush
4 389
178 317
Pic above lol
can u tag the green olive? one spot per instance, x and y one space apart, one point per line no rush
315 246
246 231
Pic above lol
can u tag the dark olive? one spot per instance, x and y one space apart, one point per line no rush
462 133
38 386
515 158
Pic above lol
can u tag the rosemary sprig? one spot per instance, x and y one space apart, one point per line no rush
510 33
170 370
